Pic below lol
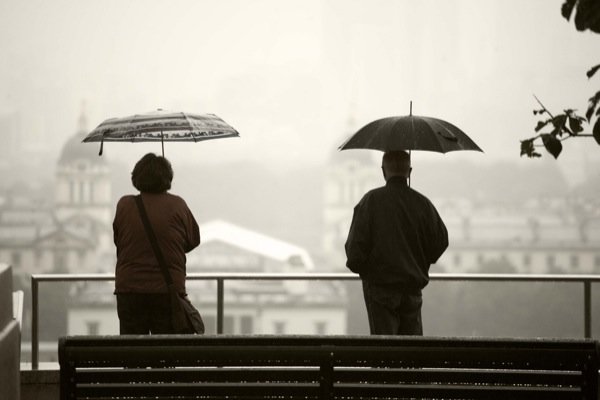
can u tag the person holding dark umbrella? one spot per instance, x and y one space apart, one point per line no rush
396 232
395 236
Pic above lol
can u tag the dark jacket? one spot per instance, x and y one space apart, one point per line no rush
396 234
137 270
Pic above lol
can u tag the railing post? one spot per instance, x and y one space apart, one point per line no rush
587 308
34 323
220 301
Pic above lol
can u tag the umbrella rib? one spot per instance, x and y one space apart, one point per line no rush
191 126
436 127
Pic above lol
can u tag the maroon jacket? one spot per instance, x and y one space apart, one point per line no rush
176 230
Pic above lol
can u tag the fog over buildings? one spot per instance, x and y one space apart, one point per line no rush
296 78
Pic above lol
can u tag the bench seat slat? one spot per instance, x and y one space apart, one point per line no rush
514 358
190 389
207 374
197 355
198 374
455 392
326 367
563 378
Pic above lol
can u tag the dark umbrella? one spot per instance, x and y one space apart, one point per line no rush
410 132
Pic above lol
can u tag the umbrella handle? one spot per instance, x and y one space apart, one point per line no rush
101 146
409 155
162 143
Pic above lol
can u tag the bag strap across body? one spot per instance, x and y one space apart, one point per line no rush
153 241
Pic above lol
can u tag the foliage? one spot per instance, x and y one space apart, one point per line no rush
569 124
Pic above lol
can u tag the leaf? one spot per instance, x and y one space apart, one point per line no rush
541 124
528 149
556 132
559 121
596 131
593 103
592 71
575 125
552 144
587 15
567 8
560 127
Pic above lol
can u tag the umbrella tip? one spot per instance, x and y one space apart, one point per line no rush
411 107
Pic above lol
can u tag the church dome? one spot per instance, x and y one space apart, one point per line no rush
75 150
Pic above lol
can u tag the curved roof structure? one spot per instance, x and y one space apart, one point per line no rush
255 242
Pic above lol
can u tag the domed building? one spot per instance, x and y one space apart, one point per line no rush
82 200
83 185
70 231
349 175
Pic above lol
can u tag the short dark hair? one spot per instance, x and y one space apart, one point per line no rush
152 174
396 162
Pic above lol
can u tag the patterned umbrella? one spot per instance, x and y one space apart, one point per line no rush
161 126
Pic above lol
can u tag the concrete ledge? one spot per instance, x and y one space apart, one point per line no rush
40 384
10 337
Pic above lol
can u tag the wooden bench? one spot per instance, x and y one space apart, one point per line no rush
325 367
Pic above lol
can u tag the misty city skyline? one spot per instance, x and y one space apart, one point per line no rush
294 78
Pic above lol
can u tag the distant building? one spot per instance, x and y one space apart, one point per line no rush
10 134
67 232
538 236
349 175
533 237
251 306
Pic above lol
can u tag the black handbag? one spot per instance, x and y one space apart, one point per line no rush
185 318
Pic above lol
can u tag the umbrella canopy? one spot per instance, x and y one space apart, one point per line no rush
410 132
161 126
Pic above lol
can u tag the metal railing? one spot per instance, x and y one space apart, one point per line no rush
220 279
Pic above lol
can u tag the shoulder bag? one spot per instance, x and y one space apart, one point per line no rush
185 318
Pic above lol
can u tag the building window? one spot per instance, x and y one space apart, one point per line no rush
91 193
320 327
82 198
93 327
210 323
60 262
457 260
279 327
246 325
574 261
597 260
480 259
551 261
72 192
37 257
527 260
228 324
15 259
81 256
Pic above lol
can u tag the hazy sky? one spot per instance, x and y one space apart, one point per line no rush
294 77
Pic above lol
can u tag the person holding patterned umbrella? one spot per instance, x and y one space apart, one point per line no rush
143 302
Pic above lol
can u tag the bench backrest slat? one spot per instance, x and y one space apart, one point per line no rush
327 367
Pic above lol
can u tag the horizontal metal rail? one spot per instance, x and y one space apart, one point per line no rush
220 278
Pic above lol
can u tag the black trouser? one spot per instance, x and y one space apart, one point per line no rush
393 310
141 314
